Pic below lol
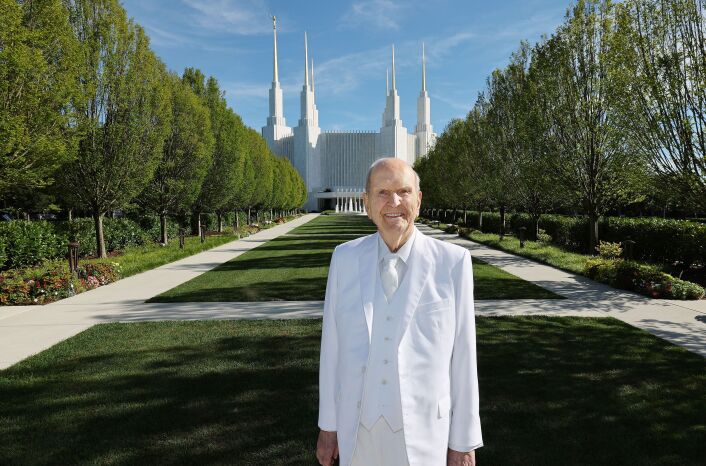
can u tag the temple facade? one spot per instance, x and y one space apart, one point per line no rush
334 163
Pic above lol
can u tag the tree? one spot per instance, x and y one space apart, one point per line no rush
123 119
501 136
537 193
38 56
222 177
593 161
666 109
186 156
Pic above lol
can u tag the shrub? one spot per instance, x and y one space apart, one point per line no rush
118 234
27 243
451 229
609 250
544 237
682 289
3 254
644 279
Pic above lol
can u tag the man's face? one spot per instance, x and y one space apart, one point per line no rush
393 201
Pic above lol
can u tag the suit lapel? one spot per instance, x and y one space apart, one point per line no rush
418 270
367 268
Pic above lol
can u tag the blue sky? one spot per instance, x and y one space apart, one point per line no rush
350 43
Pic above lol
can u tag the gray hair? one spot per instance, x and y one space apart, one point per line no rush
383 160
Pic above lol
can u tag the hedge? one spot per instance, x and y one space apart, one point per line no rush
29 243
656 240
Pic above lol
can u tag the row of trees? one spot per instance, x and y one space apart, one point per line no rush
607 112
91 118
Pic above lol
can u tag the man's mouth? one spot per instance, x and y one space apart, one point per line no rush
393 215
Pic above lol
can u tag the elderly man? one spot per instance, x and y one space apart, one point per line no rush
397 382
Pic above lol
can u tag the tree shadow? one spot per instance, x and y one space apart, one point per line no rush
230 400
602 391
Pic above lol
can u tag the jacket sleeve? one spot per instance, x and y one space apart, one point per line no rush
465 431
329 353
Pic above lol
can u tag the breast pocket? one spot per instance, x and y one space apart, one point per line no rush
434 315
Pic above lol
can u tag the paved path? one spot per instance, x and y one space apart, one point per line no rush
26 330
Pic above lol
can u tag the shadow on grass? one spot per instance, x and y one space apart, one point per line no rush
234 399
587 391
294 289
554 391
302 243
288 261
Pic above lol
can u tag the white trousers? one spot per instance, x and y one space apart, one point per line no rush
380 446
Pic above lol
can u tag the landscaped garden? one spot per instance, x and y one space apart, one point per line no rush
295 267
554 391
561 249
37 274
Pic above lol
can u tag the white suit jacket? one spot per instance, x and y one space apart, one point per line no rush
436 348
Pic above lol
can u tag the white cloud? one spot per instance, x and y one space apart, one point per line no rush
162 38
344 74
438 49
249 90
382 14
243 17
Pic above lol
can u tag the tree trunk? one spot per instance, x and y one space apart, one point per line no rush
536 228
249 222
219 215
502 221
237 220
71 215
593 233
480 220
164 238
100 240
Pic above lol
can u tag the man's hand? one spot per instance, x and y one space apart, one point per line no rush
457 458
327 448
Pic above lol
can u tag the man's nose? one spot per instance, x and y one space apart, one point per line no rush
395 199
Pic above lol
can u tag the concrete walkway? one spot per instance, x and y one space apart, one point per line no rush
27 330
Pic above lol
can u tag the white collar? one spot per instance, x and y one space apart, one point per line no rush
402 253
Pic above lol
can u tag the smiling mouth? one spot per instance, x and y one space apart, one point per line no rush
393 215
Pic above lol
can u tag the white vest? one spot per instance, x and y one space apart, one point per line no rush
381 393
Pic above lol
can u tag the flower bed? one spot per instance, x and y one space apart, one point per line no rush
52 281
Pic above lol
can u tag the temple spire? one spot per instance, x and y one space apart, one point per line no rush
306 61
312 75
424 70
275 75
387 81
394 86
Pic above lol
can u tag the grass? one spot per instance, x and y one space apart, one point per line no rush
294 267
134 260
538 251
554 391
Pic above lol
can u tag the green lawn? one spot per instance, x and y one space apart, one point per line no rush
295 267
136 259
554 391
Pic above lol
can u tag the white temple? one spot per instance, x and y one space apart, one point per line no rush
334 163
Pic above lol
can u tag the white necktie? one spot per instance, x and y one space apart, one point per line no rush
390 279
